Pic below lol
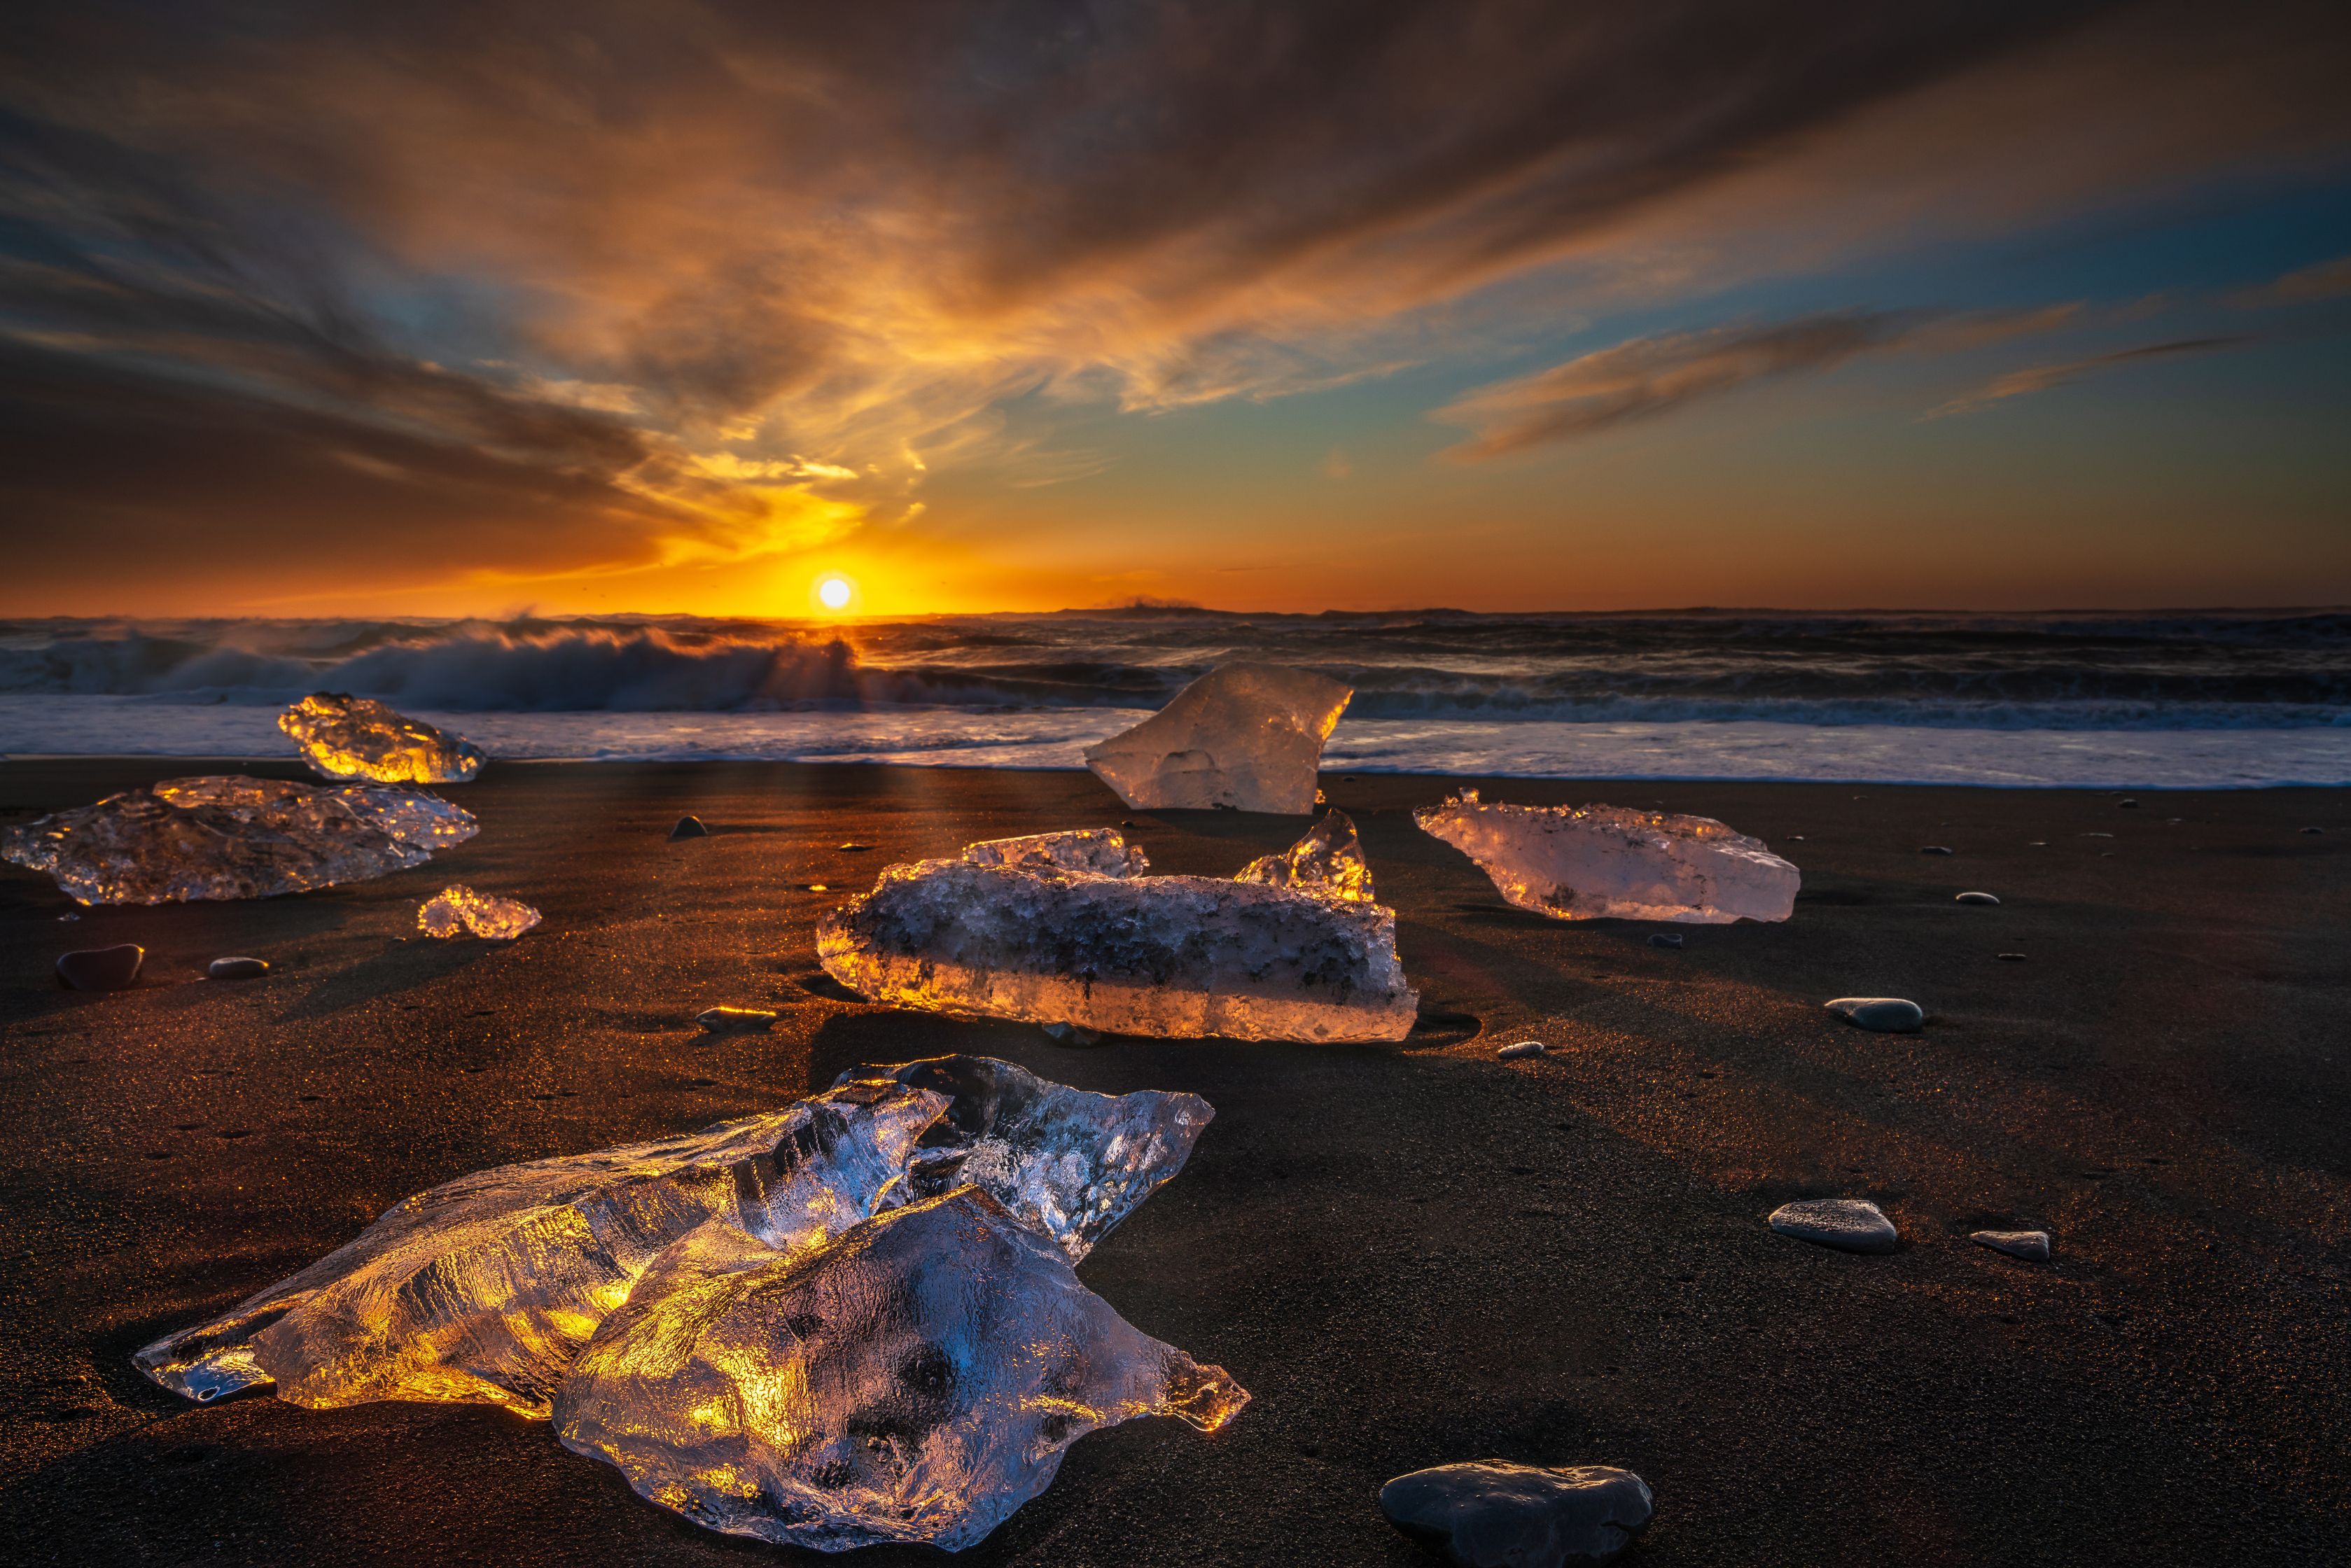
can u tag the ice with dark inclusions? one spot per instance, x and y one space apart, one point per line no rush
344 736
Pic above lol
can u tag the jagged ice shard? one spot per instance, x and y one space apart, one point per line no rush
1066 1162
346 736
458 910
1327 863
1102 850
1592 863
224 836
1169 955
1248 736
483 1288
915 1381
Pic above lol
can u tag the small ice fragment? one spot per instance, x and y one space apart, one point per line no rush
1068 1163
101 968
1523 1048
915 1381
458 910
344 736
2030 1245
1164 955
1247 736
2127 804
735 1020
852 847
1590 862
688 827
1490 1513
1327 863
224 836
1887 1015
481 1289
1102 850
1847 1223
1975 898
237 968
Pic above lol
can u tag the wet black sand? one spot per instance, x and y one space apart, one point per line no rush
1408 1256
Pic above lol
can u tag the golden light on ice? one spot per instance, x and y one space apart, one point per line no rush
834 592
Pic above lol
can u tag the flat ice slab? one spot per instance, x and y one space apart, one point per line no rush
228 836
1247 736
917 1380
345 736
1595 863
1168 955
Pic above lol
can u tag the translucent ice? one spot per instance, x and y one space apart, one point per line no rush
1245 736
1065 1162
356 738
1328 863
458 910
1103 851
917 1380
234 837
482 1290
1592 863
1169 955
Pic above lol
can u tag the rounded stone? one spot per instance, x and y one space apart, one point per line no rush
1887 1015
101 968
1664 938
1934 850
1975 898
1491 1513
2031 1245
735 1020
1523 1048
1847 1223
688 827
2010 957
237 968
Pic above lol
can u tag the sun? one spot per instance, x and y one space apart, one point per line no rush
834 592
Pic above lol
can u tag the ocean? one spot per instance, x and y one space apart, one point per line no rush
2211 699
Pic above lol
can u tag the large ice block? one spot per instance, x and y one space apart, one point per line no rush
1245 736
1066 1162
1170 955
227 836
917 1380
1593 863
482 1290
345 736
1328 863
1102 850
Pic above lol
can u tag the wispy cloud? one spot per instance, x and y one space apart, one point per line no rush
2040 377
2322 281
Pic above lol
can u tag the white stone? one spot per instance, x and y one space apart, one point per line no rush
1328 863
1247 736
1593 863
1523 1048
2031 1245
1886 1015
1847 1223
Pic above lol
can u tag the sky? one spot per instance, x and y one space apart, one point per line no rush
586 308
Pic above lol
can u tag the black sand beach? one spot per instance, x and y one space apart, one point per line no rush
1408 1256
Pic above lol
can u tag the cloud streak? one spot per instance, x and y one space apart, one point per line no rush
2040 377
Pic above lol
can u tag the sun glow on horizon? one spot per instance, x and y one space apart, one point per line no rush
834 592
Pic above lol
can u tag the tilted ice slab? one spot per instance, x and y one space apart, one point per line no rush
357 737
1248 736
1593 863
1327 863
1102 850
482 1290
917 1380
1169 955
225 836
1066 1162
458 910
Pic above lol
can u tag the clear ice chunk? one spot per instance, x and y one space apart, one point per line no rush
1327 863
917 1380
1102 850
227 836
458 910
1168 955
1593 862
1066 1162
482 1290
1247 736
345 736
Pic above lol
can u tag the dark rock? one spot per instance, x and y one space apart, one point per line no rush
1975 898
101 968
2305 830
1071 1034
735 1021
2010 957
1664 938
1494 1514
1887 1015
688 827
237 968
1934 850
2030 1245
2126 804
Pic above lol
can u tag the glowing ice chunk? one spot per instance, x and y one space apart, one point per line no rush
482 1290
917 1380
223 836
1248 736
1102 850
356 738
1593 863
1328 863
458 910
1066 1162
1168 955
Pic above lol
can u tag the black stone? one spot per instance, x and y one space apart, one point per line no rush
1933 850
688 827
1496 1514
101 968
237 968
1664 938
